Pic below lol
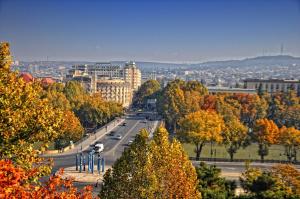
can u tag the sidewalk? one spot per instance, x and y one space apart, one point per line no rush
84 178
84 144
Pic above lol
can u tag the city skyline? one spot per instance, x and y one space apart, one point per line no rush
161 31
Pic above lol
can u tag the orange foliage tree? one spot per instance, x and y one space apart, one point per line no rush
290 138
15 183
265 133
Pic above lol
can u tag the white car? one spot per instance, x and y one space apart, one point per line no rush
99 147
130 142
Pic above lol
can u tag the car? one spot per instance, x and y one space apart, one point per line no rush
124 124
118 137
130 142
99 147
112 133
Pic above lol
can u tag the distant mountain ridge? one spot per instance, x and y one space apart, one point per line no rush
278 60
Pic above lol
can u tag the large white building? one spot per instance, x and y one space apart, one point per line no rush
273 85
113 82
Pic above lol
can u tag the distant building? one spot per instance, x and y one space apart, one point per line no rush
132 75
116 90
272 85
113 82
219 89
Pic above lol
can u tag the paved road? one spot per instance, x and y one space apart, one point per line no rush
113 148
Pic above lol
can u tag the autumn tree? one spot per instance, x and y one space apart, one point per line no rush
151 169
132 175
290 139
71 129
201 127
15 183
265 133
252 108
282 181
180 98
172 104
26 117
176 176
147 90
234 135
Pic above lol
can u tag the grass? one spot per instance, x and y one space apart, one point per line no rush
276 152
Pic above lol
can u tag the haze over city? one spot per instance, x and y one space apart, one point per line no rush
164 31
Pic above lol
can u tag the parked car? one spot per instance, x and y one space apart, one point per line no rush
124 124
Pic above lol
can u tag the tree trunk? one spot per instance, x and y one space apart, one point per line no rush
231 156
198 150
262 158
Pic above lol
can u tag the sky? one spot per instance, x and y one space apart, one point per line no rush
178 31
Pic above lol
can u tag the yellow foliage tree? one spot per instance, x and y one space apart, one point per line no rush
175 173
26 117
200 128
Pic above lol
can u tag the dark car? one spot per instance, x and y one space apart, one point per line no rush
124 124
112 133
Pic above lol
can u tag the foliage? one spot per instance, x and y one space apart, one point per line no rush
234 136
290 139
26 118
281 182
14 183
211 185
265 133
252 108
147 90
178 99
151 169
72 130
200 128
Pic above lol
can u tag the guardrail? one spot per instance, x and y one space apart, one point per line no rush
241 160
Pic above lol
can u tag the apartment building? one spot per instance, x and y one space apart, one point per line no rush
113 82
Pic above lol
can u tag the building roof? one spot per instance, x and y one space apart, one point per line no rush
27 77
47 80
219 89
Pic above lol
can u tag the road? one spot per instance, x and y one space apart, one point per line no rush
113 148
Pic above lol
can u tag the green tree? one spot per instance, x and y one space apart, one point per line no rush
147 90
132 175
282 181
211 185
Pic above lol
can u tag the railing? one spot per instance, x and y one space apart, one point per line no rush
241 160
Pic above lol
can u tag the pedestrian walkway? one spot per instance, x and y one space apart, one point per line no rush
84 176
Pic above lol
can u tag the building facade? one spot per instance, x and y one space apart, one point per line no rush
132 75
116 90
113 82
273 85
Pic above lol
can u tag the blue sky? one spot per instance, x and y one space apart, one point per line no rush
149 30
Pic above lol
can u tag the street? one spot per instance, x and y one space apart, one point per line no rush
113 148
